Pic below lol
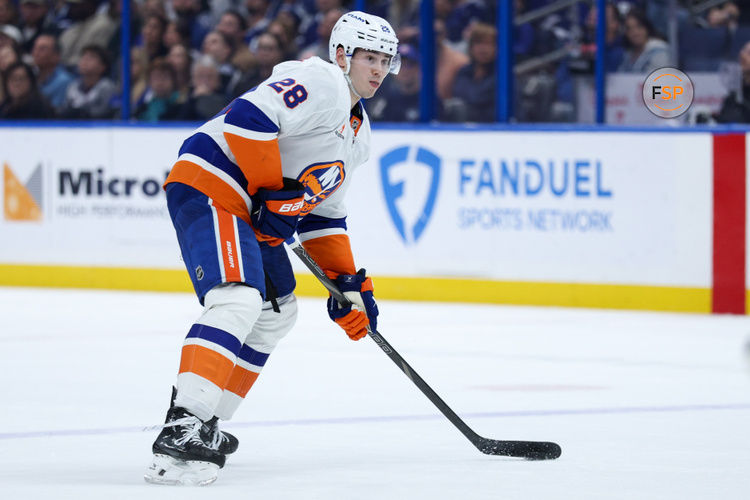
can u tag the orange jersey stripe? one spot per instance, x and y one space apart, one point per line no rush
206 363
230 252
241 381
260 161
186 172
333 253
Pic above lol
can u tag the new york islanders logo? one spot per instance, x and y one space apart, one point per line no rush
321 180
410 176
22 202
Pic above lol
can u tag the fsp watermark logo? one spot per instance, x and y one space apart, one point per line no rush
22 202
410 176
668 92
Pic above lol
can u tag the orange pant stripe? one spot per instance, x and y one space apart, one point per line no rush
230 251
241 381
206 363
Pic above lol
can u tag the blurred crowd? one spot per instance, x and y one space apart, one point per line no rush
189 58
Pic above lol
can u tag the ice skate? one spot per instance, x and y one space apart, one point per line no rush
221 441
181 456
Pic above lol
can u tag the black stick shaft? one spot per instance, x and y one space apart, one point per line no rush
527 449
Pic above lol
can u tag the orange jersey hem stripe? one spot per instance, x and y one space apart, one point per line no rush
186 172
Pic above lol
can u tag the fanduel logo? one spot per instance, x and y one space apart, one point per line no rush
410 177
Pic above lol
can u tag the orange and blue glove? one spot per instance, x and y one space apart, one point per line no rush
362 311
275 213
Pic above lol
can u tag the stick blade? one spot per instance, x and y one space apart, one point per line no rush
530 450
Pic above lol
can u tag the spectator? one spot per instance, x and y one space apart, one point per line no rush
88 28
53 78
269 53
221 48
10 35
90 96
443 9
474 88
161 101
287 38
177 32
22 98
152 36
449 62
138 75
206 98
258 19
615 49
199 23
180 59
645 50
736 106
152 7
524 36
8 12
58 15
290 18
9 54
402 13
724 15
325 26
34 21
582 58
112 9
309 28
462 16
232 24
398 101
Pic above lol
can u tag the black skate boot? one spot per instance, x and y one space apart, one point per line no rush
221 441
181 456
224 442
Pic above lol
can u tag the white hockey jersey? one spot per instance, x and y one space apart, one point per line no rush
297 124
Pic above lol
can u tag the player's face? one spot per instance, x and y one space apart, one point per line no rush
368 70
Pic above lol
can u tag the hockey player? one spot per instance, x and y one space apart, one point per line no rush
276 160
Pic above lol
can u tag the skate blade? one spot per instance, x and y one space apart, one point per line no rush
172 471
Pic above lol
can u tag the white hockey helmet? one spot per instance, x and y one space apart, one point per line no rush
358 30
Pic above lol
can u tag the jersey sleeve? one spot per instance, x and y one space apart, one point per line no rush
325 239
297 101
323 231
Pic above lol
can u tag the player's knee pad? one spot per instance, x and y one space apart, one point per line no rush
272 326
232 307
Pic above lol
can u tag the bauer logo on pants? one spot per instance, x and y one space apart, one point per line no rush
410 176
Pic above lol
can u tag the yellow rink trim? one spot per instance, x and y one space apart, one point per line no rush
654 298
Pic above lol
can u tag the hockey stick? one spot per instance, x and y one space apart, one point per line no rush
531 450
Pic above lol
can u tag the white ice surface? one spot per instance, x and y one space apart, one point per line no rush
644 405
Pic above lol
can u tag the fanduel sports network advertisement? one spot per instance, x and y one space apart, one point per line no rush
630 208
575 207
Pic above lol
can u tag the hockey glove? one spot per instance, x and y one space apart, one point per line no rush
275 213
363 310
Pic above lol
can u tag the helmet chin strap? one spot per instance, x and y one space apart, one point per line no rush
349 79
